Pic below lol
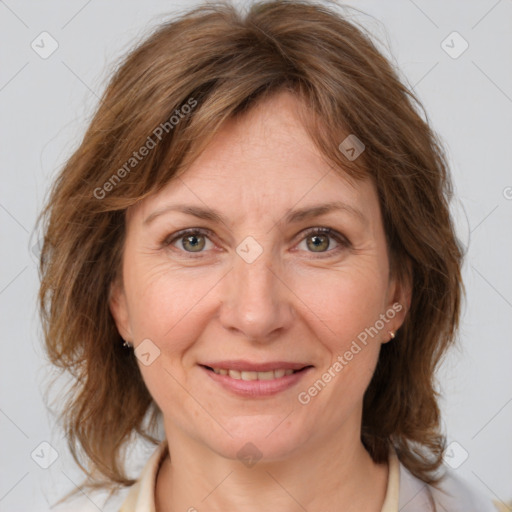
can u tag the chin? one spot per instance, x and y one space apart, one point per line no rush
252 440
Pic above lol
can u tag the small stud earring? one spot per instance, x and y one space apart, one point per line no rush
126 344
392 335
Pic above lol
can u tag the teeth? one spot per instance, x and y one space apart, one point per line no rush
235 374
249 375
265 375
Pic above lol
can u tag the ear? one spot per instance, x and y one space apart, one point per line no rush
399 299
119 308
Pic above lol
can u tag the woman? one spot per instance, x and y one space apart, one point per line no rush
253 246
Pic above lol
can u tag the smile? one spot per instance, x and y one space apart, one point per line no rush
246 375
256 384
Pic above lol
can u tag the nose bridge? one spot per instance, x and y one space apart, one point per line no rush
255 301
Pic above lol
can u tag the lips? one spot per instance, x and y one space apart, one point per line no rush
255 380
248 375
248 378
249 366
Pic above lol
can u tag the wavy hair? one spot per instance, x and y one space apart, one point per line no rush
220 61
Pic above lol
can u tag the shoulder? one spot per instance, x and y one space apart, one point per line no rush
136 498
451 494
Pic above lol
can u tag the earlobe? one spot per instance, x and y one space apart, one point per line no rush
399 300
119 310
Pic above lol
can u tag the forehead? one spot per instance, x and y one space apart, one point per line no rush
270 136
261 160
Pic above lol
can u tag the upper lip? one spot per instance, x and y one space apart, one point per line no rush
248 366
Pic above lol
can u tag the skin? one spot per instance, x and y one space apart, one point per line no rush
293 303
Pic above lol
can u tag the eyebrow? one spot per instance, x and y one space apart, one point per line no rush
292 217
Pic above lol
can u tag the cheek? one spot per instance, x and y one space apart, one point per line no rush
164 302
345 302
344 307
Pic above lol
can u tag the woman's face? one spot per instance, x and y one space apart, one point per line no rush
258 290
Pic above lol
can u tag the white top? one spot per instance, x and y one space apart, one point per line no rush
405 492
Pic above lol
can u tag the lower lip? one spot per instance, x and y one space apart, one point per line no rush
257 388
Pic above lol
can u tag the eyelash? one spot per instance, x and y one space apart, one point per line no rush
342 241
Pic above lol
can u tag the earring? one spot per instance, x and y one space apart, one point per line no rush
126 344
392 335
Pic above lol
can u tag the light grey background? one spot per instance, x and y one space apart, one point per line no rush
46 105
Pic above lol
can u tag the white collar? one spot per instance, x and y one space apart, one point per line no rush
141 497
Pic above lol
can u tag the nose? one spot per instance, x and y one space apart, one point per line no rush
257 303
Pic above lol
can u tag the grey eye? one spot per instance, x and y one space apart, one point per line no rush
194 242
318 242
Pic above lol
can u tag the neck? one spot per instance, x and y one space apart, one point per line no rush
312 479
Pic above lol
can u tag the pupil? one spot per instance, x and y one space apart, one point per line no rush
317 241
193 240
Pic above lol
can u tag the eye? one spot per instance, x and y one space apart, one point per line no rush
188 240
318 240
193 241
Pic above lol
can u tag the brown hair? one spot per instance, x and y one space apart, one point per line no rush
220 62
